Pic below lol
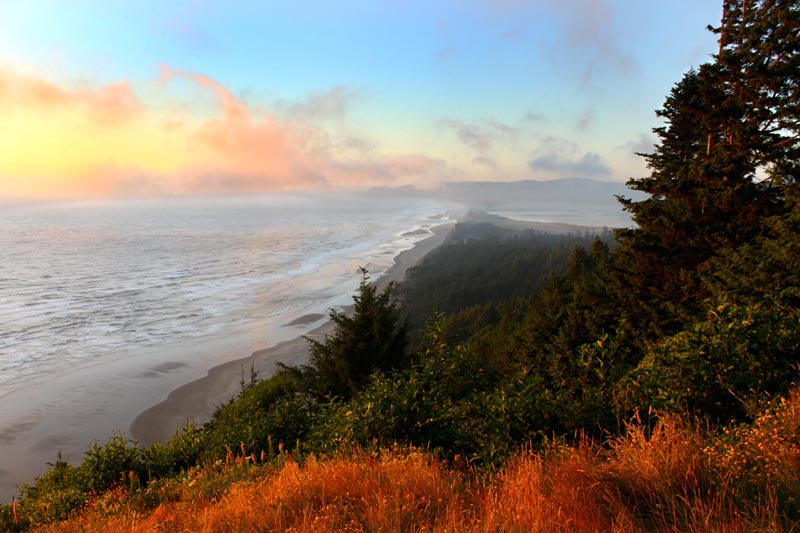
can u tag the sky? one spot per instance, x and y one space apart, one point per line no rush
159 97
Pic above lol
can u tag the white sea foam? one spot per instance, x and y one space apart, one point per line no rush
79 282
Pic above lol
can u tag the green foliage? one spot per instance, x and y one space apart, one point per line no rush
696 312
431 404
765 269
724 366
476 273
759 65
183 451
727 123
454 402
372 339
118 461
54 496
64 488
703 198
265 414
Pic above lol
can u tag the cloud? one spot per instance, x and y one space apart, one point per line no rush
484 161
586 120
258 150
110 104
251 150
356 144
215 181
584 42
587 40
229 104
236 148
589 165
644 143
396 169
557 145
332 104
532 116
480 136
125 180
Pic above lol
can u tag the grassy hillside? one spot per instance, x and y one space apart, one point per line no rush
542 414
671 477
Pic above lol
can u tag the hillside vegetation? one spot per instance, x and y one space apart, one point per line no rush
671 477
518 382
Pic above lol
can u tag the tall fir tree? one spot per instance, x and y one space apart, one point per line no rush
759 63
728 125
372 337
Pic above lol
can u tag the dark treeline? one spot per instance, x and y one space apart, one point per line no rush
482 271
523 337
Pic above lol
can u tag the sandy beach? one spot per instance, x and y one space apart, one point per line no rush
153 393
196 401
61 414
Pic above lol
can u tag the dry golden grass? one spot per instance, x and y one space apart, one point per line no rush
561 493
666 479
393 492
768 452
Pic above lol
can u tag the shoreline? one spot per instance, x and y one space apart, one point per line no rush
150 394
196 401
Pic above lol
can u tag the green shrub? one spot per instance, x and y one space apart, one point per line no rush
724 366
265 414
181 452
53 496
118 461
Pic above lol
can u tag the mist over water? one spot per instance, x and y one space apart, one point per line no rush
81 281
598 217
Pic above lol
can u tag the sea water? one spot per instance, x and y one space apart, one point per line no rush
97 280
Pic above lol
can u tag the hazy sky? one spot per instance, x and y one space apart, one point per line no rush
162 97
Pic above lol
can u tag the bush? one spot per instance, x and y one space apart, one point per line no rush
119 461
53 496
723 367
265 414
181 452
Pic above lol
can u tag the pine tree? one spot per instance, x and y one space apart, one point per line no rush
728 124
702 195
759 62
372 338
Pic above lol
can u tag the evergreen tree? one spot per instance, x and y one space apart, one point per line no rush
702 197
727 125
759 63
373 338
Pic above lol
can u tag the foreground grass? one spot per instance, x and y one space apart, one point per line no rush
674 477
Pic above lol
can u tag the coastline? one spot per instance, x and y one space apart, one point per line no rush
196 401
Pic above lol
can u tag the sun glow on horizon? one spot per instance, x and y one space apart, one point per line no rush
146 99
107 141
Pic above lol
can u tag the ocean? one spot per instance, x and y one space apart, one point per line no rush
82 282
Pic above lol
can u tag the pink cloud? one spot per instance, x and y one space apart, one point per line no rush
230 106
110 104
390 170
258 150
253 150
239 149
